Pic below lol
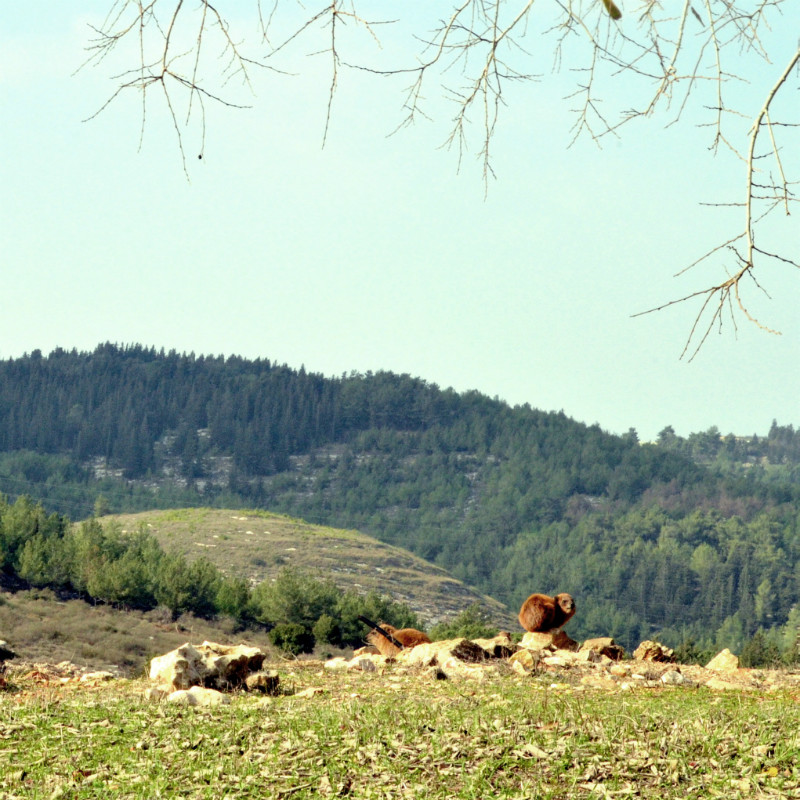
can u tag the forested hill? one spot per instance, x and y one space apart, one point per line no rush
688 536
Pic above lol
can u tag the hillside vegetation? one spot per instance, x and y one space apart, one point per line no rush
257 545
692 540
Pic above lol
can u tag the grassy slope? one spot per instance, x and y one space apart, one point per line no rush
400 735
257 544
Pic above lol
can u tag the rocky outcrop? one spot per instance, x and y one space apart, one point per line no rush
653 651
210 665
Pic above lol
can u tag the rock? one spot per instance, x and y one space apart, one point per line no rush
554 640
96 677
429 655
519 668
599 681
198 696
209 664
6 653
604 646
499 646
265 681
158 693
525 660
555 661
653 651
721 685
454 667
338 664
673 678
724 661
588 656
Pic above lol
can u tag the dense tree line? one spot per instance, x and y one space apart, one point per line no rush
102 563
694 538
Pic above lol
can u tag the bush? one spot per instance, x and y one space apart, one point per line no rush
471 623
292 638
326 630
760 652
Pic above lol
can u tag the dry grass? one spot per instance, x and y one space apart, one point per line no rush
41 628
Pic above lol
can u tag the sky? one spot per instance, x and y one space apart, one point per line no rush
383 252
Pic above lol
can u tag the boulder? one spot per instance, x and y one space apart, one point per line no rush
525 660
499 646
552 640
653 651
724 661
209 664
429 655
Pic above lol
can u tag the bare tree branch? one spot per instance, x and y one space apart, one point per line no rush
672 56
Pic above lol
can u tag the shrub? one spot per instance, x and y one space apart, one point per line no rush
759 652
471 623
292 638
326 630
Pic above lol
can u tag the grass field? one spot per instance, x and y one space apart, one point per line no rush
399 734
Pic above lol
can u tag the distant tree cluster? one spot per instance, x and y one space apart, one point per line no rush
103 563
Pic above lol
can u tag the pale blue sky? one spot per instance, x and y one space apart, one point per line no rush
375 252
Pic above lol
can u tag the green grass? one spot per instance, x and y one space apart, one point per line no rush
400 735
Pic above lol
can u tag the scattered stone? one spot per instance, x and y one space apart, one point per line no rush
455 667
555 661
724 661
653 651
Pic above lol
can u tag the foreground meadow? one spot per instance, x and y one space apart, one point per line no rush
398 734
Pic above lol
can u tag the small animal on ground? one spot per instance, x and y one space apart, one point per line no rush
408 637
540 612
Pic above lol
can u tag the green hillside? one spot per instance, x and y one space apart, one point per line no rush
693 539
256 545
